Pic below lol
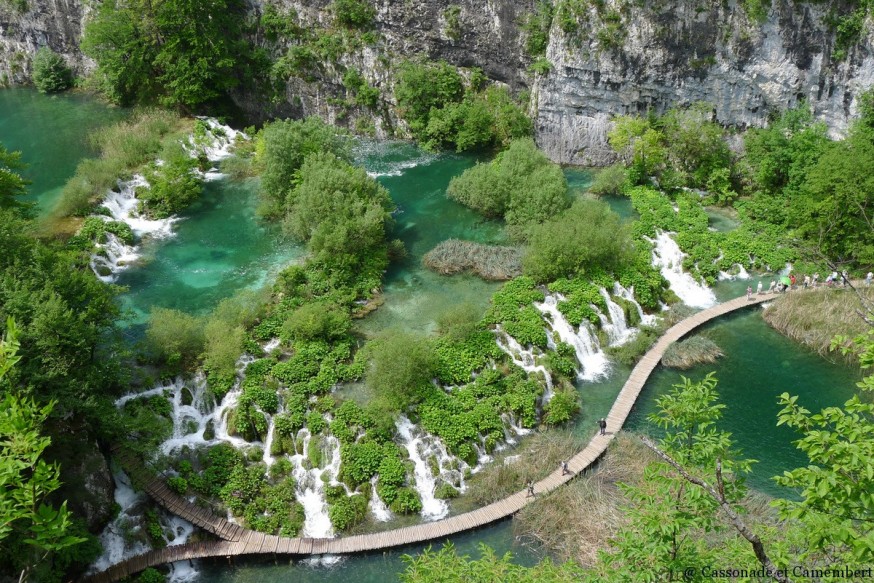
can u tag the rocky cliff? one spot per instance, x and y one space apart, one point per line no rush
603 58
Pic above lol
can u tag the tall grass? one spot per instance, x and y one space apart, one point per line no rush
814 317
538 456
124 147
490 262
693 351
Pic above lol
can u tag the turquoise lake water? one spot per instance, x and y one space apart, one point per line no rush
221 247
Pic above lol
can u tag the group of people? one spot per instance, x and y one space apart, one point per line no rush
808 281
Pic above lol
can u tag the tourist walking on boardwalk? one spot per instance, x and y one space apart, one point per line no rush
530 493
869 278
815 279
749 292
772 286
844 279
564 469
806 281
759 288
603 425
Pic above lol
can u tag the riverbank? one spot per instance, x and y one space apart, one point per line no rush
813 317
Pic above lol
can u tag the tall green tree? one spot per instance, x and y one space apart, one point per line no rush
26 480
12 185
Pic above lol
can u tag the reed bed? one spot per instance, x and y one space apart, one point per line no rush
537 457
814 317
691 352
490 262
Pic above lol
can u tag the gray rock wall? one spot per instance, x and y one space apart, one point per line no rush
671 52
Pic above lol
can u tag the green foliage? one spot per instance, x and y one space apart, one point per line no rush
423 87
365 94
511 308
26 480
11 182
579 296
151 575
354 13
458 360
669 519
174 337
360 461
281 149
340 212
611 181
182 52
588 236
279 25
407 501
521 185
563 406
50 72
401 368
173 185
348 511
178 484
536 27
837 483
447 565
317 321
452 16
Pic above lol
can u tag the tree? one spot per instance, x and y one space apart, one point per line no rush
586 237
281 149
401 368
26 480
421 88
640 145
12 184
50 72
668 520
837 485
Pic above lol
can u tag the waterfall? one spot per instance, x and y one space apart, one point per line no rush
628 295
421 446
123 205
618 331
585 343
377 507
116 539
180 571
311 486
523 358
667 257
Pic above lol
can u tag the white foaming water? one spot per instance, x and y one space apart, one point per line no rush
617 329
123 205
667 257
742 273
180 571
523 358
628 295
377 507
116 539
376 157
311 485
593 361
421 446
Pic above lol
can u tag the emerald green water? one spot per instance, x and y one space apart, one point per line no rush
51 133
220 247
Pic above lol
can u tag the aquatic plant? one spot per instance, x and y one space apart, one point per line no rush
490 262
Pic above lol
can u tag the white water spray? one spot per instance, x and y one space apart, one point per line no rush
667 257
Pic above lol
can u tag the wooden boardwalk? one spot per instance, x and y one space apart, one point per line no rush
240 541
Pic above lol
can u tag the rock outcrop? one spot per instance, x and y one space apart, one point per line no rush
640 57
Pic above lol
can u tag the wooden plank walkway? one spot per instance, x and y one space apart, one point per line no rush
241 541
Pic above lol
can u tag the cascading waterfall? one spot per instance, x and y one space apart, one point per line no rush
311 485
116 539
421 446
584 341
524 359
628 295
667 257
617 329
122 204
377 507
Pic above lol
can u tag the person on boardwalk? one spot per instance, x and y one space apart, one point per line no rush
869 278
806 281
772 286
749 292
530 493
564 469
815 279
603 425
759 288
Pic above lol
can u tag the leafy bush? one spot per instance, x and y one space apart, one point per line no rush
178 484
521 185
348 511
174 337
536 27
360 461
281 149
407 501
587 236
316 321
423 87
354 13
511 308
611 181
173 185
50 72
151 575
401 369
565 403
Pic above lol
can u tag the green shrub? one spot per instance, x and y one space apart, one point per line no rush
445 492
178 484
348 511
50 72
511 308
317 321
173 185
174 337
610 181
423 87
354 13
521 185
151 575
401 368
407 501
536 26
588 236
565 403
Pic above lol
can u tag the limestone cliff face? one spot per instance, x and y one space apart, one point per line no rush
29 25
657 55
680 54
